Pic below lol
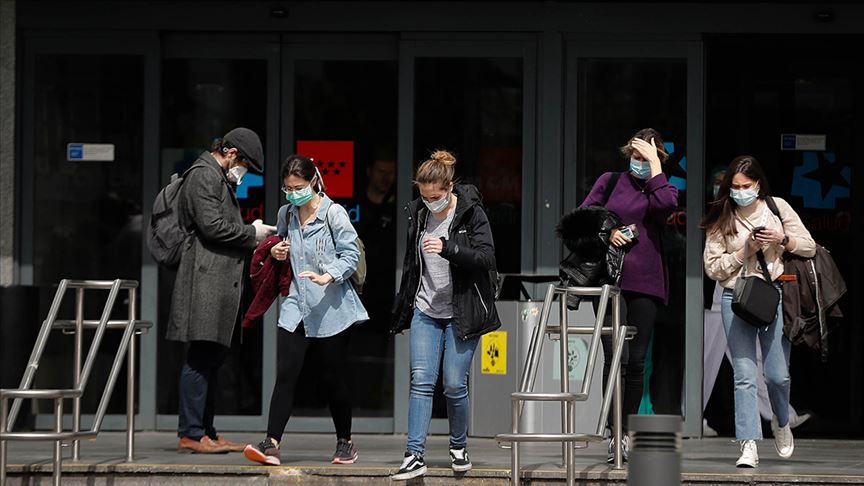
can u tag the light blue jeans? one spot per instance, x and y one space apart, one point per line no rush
430 338
742 338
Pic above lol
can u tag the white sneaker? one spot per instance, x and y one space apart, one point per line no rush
783 440
749 456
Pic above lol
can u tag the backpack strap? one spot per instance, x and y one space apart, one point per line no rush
610 186
327 222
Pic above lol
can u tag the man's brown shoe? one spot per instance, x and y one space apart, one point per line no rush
230 445
203 446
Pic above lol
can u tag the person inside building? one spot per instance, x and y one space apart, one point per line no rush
205 304
643 199
741 228
446 300
322 306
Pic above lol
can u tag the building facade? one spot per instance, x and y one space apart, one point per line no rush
533 98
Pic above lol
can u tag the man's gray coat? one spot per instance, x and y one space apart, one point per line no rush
207 290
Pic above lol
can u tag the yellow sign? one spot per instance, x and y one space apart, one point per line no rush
494 348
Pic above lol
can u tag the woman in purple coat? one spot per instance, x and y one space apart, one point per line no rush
643 198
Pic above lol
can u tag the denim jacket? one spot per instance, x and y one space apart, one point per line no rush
330 309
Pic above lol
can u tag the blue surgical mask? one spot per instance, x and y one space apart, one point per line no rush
640 168
744 197
301 196
439 205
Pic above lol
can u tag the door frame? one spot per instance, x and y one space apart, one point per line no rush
691 50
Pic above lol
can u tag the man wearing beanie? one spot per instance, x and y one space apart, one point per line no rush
207 289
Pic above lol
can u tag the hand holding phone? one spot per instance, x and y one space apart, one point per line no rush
756 231
629 231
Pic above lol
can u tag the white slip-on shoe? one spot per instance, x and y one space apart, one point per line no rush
749 455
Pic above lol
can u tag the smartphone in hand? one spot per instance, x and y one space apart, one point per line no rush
629 231
756 231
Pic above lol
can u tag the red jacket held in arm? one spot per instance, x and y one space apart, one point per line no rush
270 277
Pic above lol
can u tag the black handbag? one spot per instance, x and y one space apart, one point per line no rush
753 299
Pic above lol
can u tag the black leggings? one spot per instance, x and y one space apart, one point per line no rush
640 311
291 350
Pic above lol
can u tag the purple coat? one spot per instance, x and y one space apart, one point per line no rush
647 208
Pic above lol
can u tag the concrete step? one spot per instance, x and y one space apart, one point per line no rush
305 459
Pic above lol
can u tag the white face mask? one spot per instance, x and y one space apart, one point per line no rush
439 205
236 173
744 197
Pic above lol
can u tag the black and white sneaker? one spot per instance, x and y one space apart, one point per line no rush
625 450
459 460
412 466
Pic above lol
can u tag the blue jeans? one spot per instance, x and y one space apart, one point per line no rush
741 338
199 389
430 338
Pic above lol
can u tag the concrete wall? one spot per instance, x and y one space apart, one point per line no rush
7 142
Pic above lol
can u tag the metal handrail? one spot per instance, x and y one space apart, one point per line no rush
77 326
568 416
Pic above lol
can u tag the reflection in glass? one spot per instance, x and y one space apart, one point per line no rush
473 108
202 99
347 122
802 86
617 98
87 214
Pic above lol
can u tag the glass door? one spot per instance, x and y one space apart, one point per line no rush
210 85
475 98
340 107
614 89
86 106
794 90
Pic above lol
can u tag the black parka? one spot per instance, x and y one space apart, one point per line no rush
471 252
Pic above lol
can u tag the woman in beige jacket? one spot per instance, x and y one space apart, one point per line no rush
738 225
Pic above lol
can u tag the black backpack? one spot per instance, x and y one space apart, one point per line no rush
166 235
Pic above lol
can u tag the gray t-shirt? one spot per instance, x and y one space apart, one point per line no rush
435 298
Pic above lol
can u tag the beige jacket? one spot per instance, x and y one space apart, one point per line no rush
723 266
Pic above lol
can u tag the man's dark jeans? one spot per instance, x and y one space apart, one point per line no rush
198 389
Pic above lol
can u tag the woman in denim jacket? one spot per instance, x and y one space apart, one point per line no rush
320 309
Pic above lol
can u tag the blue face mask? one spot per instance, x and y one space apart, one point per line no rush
640 169
300 197
744 197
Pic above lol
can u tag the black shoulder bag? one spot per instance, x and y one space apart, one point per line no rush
755 300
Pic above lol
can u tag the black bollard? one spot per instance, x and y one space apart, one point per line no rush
655 455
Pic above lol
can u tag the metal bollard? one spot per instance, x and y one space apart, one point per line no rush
655 450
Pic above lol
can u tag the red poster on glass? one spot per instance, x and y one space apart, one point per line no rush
335 161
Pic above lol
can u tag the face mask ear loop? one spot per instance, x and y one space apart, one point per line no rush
320 189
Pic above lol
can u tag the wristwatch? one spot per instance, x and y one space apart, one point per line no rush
785 240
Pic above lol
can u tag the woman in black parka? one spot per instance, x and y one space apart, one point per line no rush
447 300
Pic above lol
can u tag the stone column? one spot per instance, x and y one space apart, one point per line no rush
7 143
